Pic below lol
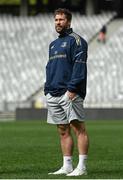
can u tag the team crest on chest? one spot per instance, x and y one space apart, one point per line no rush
52 46
64 44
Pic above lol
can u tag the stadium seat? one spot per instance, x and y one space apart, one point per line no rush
24 54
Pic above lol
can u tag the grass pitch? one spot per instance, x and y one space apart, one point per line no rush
29 150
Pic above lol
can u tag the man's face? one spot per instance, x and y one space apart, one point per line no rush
61 23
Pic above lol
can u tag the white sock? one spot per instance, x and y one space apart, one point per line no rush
82 162
67 162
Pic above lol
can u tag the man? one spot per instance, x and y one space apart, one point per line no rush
65 89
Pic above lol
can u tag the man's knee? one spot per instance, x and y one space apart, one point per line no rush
64 130
78 127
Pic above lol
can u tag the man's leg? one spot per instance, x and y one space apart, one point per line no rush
83 144
66 139
82 137
66 147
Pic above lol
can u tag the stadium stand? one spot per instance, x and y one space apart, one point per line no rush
88 26
105 73
23 56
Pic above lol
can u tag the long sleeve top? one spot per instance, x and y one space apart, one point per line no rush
67 68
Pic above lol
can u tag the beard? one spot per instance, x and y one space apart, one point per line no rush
60 29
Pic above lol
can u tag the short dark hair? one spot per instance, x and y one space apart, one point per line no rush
67 13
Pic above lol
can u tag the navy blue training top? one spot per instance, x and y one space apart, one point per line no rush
66 68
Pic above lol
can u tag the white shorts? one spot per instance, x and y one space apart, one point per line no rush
62 110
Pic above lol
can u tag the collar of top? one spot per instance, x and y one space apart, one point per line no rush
66 32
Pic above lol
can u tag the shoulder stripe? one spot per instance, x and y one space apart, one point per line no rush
77 37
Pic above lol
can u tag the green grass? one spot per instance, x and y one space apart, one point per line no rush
31 150
16 2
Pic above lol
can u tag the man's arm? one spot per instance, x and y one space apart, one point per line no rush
79 58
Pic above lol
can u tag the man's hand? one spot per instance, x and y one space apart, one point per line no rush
71 95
